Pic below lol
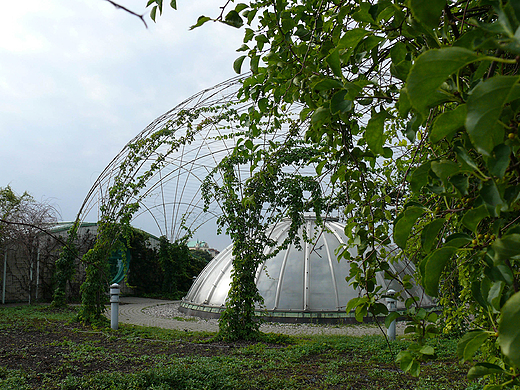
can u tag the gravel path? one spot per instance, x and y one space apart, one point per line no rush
166 314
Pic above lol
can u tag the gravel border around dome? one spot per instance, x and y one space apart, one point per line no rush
179 320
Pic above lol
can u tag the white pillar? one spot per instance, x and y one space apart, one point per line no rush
37 273
31 266
114 306
390 302
5 277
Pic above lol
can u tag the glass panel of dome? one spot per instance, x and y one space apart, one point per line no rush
322 295
219 295
291 289
341 272
268 279
202 290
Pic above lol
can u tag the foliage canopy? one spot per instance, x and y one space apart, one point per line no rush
414 109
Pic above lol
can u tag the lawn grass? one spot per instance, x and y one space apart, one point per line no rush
44 348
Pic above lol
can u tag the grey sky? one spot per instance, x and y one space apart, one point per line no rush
78 79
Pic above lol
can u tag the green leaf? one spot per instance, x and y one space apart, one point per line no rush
354 302
500 272
473 216
320 116
333 61
461 183
374 133
363 13
429 234
506 247
495 295
263 105
400 66
153 13
405 360
250 15
255 59
339 103
476 292
237 65
431 69
500 26
320 166
515 5
415 369
391 318
444 169
485 104
404 224
509 329
173 4
458 240
240 7
327 84
514 229
420 177
361 312
378 308
401 69
433 317
465 159
233 19
485 286
404 104
491 195
351 38
498 162
200 21
427 12
388 152
398 52
448 122
427 350
355 88
249 144
483 369
303 33
432 266
248 35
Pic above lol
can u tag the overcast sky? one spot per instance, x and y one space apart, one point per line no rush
79 79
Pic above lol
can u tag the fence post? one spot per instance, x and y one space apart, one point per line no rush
114 306
390 302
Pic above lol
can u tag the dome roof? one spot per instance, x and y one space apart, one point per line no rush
297 284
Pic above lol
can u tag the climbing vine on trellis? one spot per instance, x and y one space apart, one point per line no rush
249 208
126 191
65 268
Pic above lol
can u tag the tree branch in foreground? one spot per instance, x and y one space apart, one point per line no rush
42 230
118 6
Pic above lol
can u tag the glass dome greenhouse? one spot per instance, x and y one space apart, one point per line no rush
305 284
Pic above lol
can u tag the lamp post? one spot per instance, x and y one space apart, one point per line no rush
114 306
4 278
390 302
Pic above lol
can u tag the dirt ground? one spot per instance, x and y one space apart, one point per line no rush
50 351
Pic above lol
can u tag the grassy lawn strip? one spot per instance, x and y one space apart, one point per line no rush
44 348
